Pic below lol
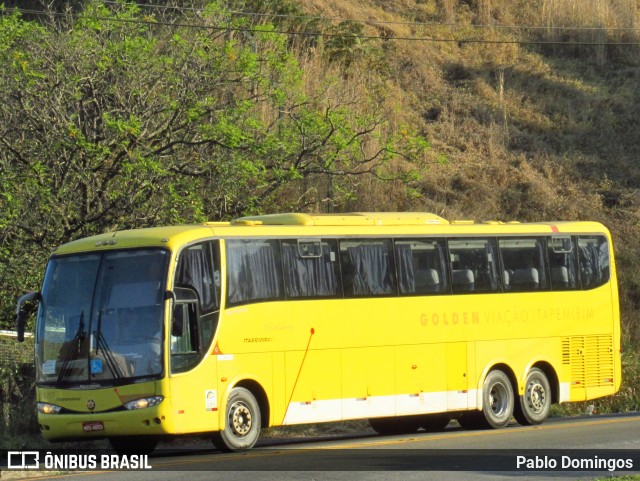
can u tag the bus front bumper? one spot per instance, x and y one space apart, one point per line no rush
140 422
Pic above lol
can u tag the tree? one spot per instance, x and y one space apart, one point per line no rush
113 119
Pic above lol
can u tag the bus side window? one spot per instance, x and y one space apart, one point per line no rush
524 263
254 271
562 263
473 265
198 268
310 273
593 256
367 267
421 265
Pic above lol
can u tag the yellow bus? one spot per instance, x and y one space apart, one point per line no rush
405 319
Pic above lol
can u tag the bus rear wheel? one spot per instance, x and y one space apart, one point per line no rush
497 400
242 422
534 405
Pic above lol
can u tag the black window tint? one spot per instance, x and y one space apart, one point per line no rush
473 265
421 266
367 268
254 271
198 269
562 263
593 255
523 261
310 268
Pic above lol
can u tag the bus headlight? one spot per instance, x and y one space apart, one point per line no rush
46 408
145 402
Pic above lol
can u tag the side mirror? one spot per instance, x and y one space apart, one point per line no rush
21 313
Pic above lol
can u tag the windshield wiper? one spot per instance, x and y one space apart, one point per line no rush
74 350
101 343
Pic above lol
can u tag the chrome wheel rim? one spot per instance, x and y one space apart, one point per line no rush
537 397
240 419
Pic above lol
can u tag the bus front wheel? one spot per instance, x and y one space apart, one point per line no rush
535 403
497 399
242 422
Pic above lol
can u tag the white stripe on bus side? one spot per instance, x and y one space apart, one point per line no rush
379 406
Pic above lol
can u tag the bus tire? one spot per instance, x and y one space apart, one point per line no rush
242 422
396 425
535 404
133 444
434 422
497 399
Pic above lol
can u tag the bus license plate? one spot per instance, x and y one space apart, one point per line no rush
93 426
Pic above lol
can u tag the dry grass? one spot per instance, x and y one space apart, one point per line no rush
485 108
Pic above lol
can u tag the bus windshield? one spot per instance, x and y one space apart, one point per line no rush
101 317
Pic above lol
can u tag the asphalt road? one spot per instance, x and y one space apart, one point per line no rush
574 444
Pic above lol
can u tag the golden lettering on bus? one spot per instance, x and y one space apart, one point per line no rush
450 318
508 316
538 316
